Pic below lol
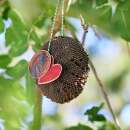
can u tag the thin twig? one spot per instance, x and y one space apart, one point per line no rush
99 81
128 48
104 94
62 18
85 28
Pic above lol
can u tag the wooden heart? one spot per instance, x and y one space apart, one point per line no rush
53 73
40 63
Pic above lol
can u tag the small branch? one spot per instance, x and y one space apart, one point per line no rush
85 28
36 124
98 79
128 48
104 94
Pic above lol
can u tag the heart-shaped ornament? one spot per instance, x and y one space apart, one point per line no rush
40 63
53 73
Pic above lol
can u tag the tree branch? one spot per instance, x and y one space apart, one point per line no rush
37 113
102 87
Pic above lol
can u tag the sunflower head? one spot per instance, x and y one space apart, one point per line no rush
74 60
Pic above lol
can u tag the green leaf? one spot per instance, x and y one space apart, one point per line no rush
35 38
103 15
101 2
117 23
5 11
1 25
28 9
16 35
37 41
41 20
121 20
99 16
18 47
107 126
17 22
93 114
13 107
83 7
4 61
19 70
79 127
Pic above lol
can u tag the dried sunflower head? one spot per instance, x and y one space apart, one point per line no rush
74 60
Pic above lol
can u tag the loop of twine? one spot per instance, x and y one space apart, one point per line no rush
54 21
62 19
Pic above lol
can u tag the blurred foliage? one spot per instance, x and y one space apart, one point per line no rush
1 25
18 71
104 126
102 14
18 36
5 61
93 114
107 126
30 25
115 82
79 127
13 104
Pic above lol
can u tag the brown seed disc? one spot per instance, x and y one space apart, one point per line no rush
74 60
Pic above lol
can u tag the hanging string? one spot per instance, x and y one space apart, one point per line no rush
62 19
53 24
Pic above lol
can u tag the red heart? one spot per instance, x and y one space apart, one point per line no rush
40 63
53 74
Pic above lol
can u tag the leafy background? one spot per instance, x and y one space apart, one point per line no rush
24 27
